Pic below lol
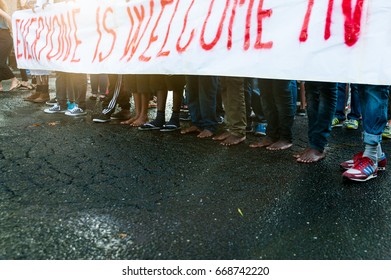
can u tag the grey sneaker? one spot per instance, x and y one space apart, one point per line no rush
55 109
76 112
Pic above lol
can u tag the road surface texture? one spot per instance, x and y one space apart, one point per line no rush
74 189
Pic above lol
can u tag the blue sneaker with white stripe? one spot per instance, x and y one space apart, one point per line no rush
363 170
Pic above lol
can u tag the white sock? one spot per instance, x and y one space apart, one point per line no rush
371 152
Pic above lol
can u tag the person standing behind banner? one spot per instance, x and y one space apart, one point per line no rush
6 45
321 104
41 94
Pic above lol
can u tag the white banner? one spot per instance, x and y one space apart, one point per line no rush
326 40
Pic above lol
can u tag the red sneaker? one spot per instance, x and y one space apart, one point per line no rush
363 170
381 165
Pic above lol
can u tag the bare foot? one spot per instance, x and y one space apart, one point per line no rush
205 134
301 153
233 140
222 136
14 84
191 129
311 156
263 143
139 122
129 121
279 145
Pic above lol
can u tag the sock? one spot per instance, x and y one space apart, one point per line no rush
371 152
379 151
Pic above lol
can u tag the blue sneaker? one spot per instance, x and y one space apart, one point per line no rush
260 129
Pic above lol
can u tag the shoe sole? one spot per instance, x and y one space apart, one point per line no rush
373 176
149 128
169 129
48 112
100 121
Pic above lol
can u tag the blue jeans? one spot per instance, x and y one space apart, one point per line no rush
374 103
278 107
321 105
202 92
355 108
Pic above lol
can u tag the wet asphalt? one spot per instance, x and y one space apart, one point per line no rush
73 189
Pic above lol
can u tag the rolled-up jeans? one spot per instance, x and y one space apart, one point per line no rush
374 103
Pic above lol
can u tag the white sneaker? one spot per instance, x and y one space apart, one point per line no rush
55 109
75 112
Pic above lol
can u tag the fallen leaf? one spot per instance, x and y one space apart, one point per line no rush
35 124
122 235
53 123
240 212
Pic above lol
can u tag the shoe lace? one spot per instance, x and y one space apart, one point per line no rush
363 163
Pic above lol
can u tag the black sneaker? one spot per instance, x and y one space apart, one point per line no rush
101 118
121 115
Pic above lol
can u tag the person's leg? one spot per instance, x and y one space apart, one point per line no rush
355 107
235 111
282 90
94 78
339 116
5 49
208 88
321 103
43 88
374 102
193 103
270 110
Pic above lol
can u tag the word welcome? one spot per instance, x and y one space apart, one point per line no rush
254 38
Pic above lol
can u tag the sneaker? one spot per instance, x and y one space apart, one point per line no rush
121 115
351 124
260 129
301 112
387 132
76 112
52 102
184 116
54 109
381 164
336 122
153 125
101 118
363 170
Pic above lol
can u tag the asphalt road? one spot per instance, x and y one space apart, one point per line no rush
73 189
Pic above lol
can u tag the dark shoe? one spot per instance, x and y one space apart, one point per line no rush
101 118
171 126
153 125
121 115
93 96
43 97
33 96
